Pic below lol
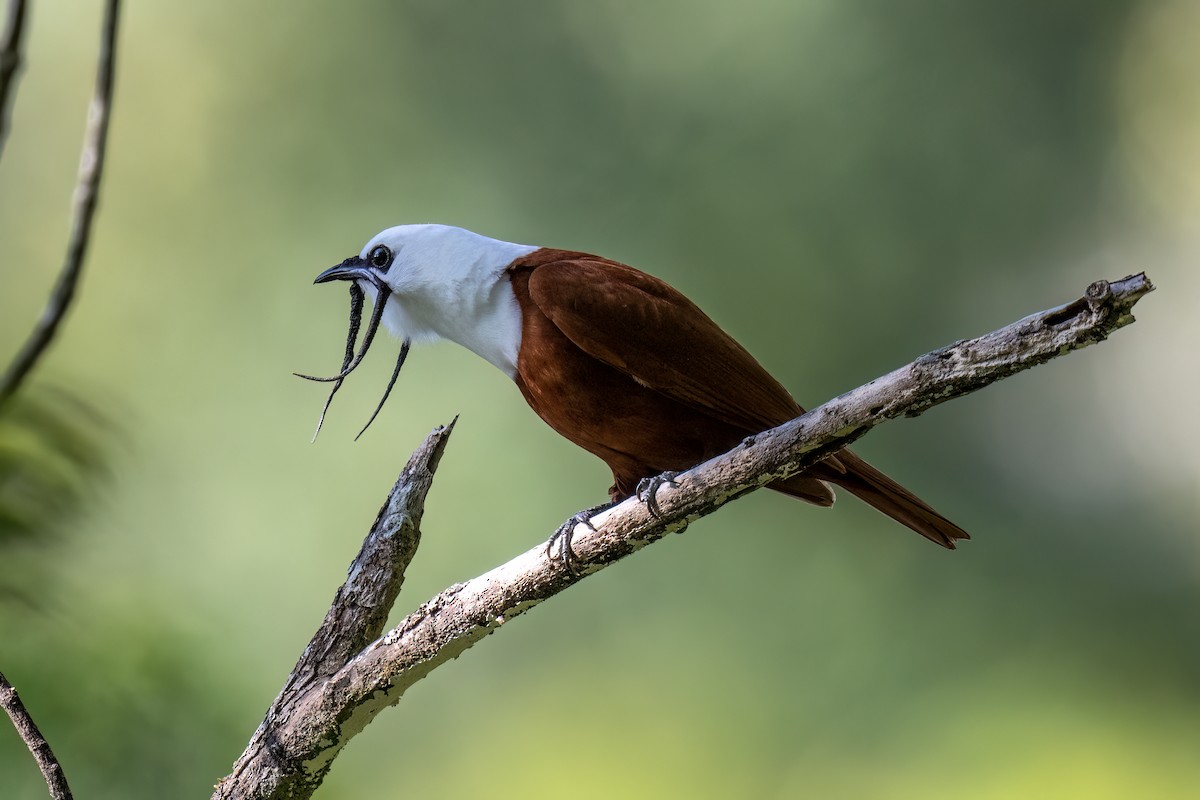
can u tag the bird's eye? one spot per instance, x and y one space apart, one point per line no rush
380 257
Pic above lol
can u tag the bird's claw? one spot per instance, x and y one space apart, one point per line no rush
561 538
647 490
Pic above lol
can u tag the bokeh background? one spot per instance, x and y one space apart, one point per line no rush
842 184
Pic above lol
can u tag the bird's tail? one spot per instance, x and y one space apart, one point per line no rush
877 490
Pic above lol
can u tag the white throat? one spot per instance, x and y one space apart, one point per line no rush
450 283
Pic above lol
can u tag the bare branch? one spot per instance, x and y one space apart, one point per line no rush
91 165
326 717
56 781
10 59
359 612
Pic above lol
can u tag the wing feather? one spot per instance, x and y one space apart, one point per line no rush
640 325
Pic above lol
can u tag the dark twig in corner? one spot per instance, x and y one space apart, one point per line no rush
91 164
56 781
10 59
323 705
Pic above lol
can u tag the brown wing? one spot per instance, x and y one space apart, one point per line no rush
638 324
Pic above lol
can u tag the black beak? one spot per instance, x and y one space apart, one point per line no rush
353 268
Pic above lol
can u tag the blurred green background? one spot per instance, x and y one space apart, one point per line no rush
842 184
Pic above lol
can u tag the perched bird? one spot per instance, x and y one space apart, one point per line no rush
613 359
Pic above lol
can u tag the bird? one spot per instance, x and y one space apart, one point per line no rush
613 359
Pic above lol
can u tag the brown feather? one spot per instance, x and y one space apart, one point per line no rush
600 305
881 492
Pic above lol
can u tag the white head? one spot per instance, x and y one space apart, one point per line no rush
445 283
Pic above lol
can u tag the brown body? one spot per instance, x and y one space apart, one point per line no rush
629 369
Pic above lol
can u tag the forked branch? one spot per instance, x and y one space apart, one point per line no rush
291 752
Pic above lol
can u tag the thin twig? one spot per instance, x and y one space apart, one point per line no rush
10 59
56 781
91 165
290 754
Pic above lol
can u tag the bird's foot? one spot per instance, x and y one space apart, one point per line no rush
560 540
647 490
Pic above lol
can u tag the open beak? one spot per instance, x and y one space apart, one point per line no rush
353 268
